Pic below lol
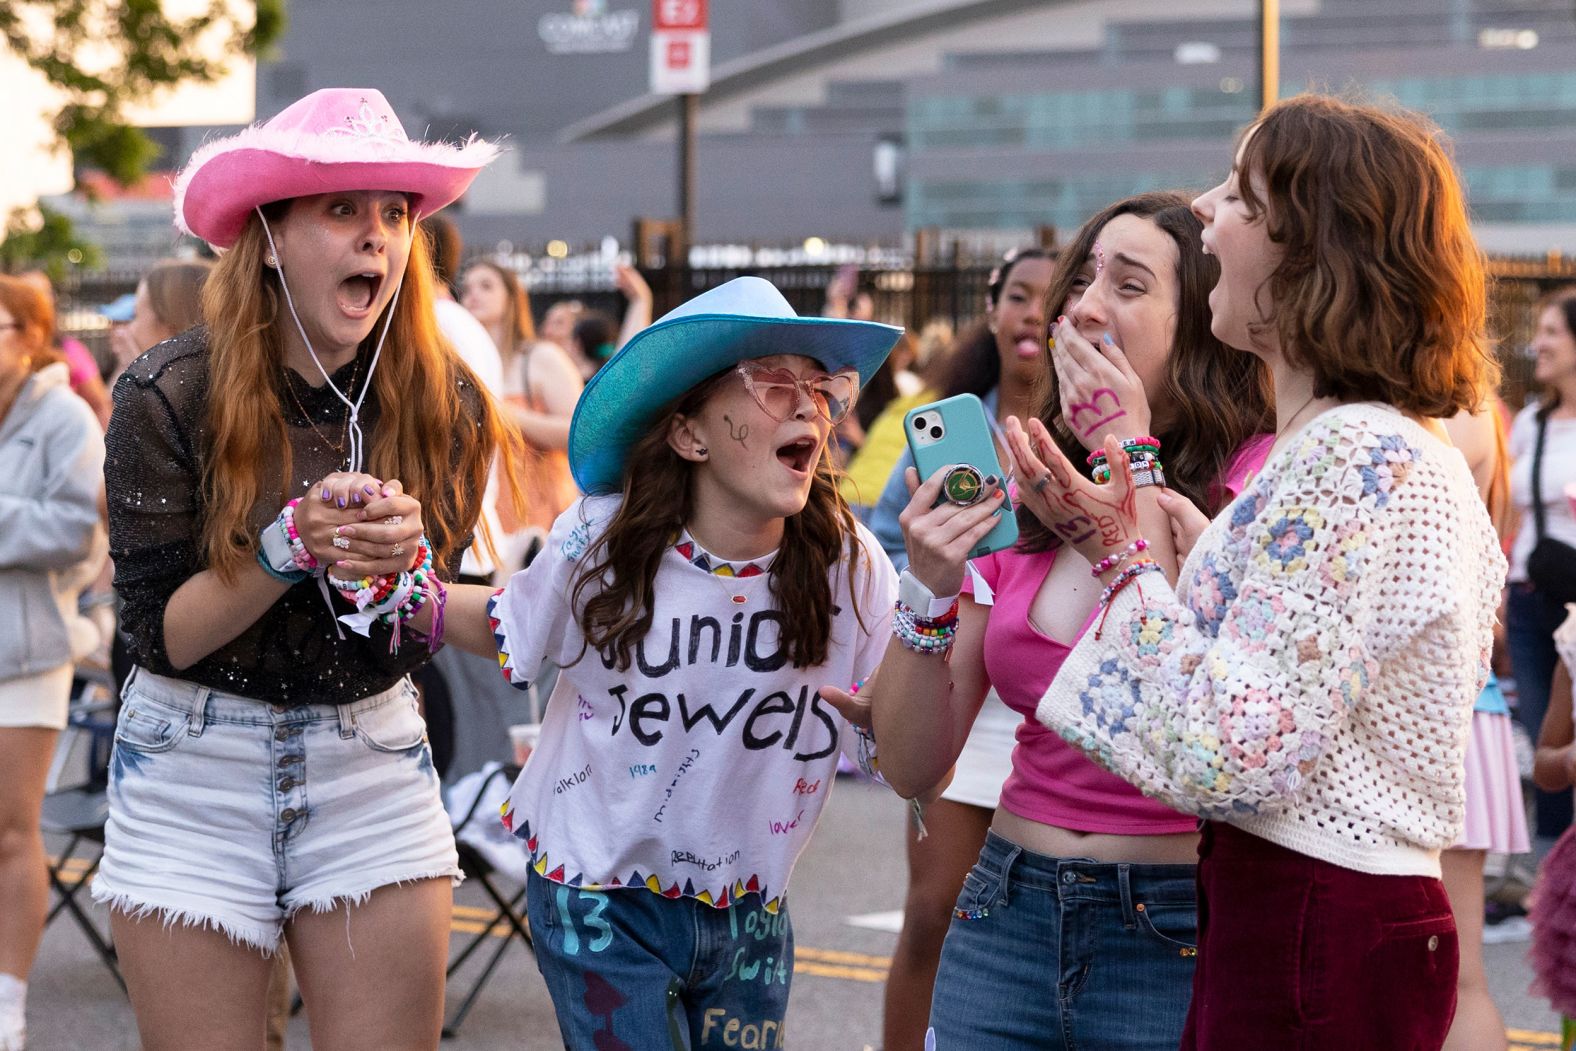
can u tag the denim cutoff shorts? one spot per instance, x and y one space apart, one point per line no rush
232 813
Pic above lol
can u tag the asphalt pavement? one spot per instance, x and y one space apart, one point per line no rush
854 869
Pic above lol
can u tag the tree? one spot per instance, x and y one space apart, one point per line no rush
136 49
45 240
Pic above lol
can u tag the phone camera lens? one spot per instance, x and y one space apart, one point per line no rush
935 432
919 423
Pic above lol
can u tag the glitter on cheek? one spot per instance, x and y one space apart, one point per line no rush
1099 257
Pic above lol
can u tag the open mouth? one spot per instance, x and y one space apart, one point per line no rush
798 455
1027 346
358 292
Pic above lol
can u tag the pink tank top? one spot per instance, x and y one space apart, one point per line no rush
1051 782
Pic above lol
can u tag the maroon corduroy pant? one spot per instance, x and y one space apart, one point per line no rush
1297 954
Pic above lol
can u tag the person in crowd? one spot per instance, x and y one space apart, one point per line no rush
290 485
592 341
1543 457
1553 900
698 600
1307 686
1025 963
1000 362
51 545
86 379
1496 819
558 324
916 384
168 302
540 385
474 344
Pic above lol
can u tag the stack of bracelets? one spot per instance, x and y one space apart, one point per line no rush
391 600
1127 576
924 635
1143 453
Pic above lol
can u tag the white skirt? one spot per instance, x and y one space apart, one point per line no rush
37 700
987 756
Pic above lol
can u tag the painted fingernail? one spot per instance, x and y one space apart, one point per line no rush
388 490
991 479
1108 340
355 498
370 489
341 502
326 494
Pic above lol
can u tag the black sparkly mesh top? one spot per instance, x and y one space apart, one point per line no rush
153 468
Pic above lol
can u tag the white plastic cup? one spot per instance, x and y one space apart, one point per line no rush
523 737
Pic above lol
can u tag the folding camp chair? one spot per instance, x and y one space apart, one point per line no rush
509 914
79 812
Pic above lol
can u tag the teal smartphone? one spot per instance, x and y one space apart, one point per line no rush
954 435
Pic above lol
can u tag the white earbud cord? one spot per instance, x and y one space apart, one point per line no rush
357 442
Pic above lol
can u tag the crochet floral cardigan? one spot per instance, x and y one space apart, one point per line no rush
1311 679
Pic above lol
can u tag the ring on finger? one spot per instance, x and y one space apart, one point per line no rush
342 542
394 520
397 550
1039 486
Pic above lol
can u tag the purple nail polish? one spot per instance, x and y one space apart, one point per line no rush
355 498
1109 341
341 503
370 489
326 494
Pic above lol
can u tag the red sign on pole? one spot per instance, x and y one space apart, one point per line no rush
680 47
678 14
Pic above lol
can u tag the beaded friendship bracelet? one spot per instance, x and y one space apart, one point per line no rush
394 599
924 635
1127 576
1110 562
1133 446
303 558
1122 579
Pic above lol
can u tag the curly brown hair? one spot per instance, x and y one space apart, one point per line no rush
615 595
1219 397
1381 290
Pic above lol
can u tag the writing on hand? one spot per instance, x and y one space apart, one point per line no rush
1092 407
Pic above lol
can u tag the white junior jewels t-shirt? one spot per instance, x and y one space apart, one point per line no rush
701 770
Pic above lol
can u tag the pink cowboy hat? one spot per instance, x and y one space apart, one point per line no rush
334 139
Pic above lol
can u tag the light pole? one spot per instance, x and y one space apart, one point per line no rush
1269 53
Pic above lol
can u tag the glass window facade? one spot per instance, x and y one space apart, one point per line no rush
1048 122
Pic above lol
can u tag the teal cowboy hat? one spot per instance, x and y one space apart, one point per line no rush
742 319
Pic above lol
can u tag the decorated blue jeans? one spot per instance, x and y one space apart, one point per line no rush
630 970
1066 953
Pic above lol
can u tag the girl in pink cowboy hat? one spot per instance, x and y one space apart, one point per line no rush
271 776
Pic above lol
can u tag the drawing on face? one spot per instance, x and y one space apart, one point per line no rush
738 432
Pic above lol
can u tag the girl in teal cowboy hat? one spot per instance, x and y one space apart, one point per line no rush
698 599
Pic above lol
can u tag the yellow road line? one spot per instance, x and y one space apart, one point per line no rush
837 956
818 963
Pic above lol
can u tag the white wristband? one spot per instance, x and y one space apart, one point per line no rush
912 592
276 549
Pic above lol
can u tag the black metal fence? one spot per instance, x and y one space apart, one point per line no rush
904 293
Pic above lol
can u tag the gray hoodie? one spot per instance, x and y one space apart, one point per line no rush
52 541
